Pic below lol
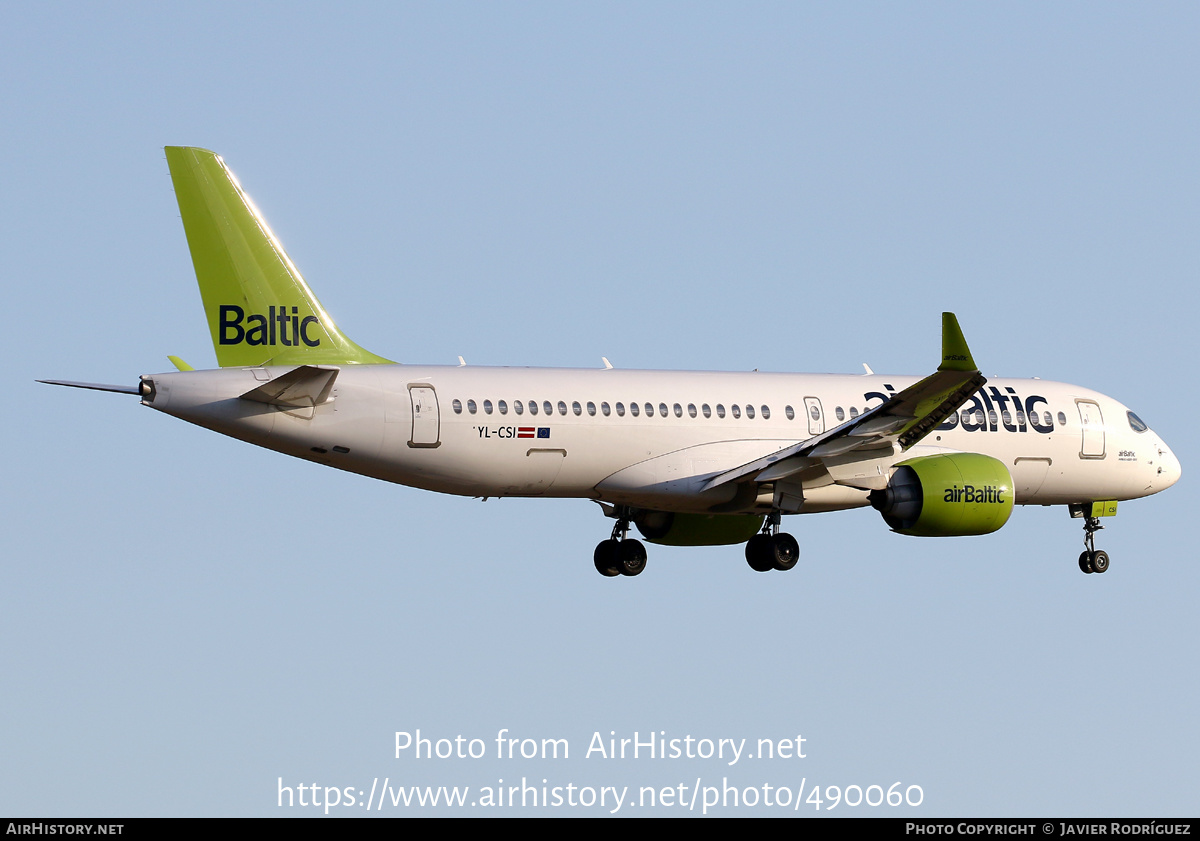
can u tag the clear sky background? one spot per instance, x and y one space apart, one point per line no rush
794 187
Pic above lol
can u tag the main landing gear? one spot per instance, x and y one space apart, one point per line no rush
771 548
620 554
1093 559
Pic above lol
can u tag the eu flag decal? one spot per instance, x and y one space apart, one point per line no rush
543 432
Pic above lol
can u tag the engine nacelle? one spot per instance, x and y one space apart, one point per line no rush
947 496
672 529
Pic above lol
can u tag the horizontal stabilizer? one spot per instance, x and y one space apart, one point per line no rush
120 389
300 388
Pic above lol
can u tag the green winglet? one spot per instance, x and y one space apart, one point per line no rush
179 364
260 310
956 356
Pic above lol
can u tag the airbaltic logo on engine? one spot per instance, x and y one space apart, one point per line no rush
277 326
971 494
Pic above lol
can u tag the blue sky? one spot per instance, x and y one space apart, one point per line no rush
788 187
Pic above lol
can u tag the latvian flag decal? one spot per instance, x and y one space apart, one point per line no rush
531 432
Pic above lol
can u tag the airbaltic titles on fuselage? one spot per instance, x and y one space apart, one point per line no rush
277 326
979 413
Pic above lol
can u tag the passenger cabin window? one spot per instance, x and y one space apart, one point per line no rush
533 407
620 410
471 406
518 406
503 407
736 410
487 407
789 412
604 408
578 410
720 410
633 409
706 410
766 412
457 406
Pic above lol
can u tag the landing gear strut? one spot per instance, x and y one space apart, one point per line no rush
772 549
620 554
1093 559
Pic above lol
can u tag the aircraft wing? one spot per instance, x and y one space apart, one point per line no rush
904 420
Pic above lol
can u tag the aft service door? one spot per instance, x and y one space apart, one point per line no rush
425 422
1093 429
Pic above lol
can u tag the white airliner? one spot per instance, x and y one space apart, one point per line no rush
691 458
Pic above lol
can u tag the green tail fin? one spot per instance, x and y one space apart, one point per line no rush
260 311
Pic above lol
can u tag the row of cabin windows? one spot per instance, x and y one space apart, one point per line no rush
635 409
976 417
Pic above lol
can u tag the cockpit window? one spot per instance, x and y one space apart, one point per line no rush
1137 423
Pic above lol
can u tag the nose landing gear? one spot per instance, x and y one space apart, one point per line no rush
772 549
1092 559
620 554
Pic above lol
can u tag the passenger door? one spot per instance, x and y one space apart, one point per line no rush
426 425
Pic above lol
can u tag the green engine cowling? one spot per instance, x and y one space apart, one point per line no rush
671 529
947 496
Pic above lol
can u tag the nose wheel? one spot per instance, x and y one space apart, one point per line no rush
1092 559
620 554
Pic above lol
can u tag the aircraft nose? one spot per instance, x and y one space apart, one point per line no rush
1169 469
